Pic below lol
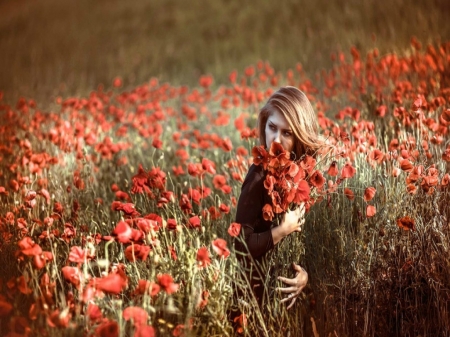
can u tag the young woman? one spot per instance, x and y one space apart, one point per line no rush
287 118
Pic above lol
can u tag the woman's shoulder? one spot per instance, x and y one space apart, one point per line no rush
255 174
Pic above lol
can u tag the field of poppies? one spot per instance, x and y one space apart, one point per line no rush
117 209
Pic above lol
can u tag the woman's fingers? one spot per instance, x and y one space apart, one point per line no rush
288 281
292 303
287 290
291 296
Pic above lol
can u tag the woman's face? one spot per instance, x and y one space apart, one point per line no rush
278 130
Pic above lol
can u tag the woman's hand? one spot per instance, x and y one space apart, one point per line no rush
292 222
295 285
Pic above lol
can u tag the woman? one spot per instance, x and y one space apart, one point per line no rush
287 118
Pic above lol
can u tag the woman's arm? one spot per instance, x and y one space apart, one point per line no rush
257 235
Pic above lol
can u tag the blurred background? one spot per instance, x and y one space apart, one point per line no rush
69 47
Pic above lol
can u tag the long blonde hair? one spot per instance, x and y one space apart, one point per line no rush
296 108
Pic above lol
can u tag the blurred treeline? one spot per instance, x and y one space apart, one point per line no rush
69 47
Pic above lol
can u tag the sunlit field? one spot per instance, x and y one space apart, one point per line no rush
53 47
117 208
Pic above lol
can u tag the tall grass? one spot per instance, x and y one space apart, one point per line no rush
52 48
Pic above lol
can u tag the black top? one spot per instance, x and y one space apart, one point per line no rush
255 231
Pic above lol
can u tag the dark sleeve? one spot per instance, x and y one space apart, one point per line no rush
255 232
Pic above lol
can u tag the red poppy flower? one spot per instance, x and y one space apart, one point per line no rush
173 253
226 189
117 82
260 156
108 328
156 218
127 208
445 116
428 182
224 208
302 193
203 258
445 180
172 224
349 193
121 195
348 171
148 287
219 181
278 156
194 170
195 195
39 261
277 202
406 165
147 225
317 179
417 104
369 193
113 283
269 183
58 208
157 143
137 252
234 229
177 170
406 223
370 211
242 323
294 171
94 312
208 166
77 254
194 222
78 182
3 191
5 307
72 275
376 155
333 169
138 315
139 181
203 299
28 247
214 213
308 163
185 203
178 331
144 331
123 232
381 111
268 212
157 179
411 188
167 284
220 247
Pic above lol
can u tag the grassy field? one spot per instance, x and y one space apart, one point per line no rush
52 47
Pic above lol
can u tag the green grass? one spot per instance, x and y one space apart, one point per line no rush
52 47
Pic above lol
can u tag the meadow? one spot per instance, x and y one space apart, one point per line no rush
126 132
118 208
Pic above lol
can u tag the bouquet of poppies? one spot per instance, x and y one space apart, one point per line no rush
288 182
